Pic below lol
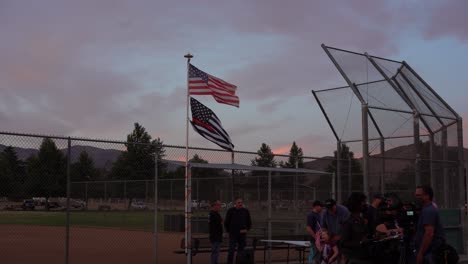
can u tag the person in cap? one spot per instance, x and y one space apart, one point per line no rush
313 226
333 219
334 216
372 212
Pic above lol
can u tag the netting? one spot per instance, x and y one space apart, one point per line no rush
399 104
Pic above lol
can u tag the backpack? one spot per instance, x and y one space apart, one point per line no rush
446 254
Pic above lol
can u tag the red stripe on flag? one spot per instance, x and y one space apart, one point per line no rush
202 124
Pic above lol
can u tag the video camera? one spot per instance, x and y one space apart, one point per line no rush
408 217
406 214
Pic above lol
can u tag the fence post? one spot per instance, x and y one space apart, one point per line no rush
382 175
67 226
461 165
155 207
365 149
417 147
232 178
338 171
431 157
333 187
269 217
445 169
350 175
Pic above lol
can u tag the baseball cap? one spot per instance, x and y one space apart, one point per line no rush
378 196
317 203
329 203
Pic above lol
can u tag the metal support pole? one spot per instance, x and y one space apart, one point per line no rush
382 174
461 163
445 169
338 171
269 217
417 146
67 226
232 178
333 186
188 215
156 201
431 158
365 150
296 204
350 174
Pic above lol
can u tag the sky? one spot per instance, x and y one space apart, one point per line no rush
93 68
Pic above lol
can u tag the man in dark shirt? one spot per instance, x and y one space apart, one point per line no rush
429 231
313 226
216 230
334 217
371 213
237 223
354 231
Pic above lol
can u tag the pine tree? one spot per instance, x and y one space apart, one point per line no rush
295 156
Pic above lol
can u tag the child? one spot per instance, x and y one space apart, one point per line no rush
328 250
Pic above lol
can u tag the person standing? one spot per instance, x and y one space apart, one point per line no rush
354 231
429 230
372 213
237 224
216 230
334 217
313 226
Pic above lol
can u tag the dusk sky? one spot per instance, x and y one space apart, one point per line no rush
92 68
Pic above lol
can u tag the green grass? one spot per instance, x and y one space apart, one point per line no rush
113 219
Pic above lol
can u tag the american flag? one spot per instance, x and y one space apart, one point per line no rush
201 83
207 124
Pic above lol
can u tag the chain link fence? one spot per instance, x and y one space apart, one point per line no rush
109 213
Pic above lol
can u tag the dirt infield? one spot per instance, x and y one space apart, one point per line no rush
46 245
43 244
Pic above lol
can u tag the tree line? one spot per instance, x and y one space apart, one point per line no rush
44 173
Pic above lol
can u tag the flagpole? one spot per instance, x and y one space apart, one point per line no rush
188 200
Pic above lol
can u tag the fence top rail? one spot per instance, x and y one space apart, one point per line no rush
140 143
235 166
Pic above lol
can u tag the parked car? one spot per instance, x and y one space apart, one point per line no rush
138 205
28 205
204 205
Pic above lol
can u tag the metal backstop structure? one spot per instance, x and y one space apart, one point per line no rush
404 132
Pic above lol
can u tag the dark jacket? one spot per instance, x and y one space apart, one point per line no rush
236 220
215 226
354 232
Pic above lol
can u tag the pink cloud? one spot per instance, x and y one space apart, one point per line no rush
282 149
448 18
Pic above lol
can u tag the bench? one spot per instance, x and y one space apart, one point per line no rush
279 246
203 245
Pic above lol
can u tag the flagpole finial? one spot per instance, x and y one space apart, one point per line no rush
188 56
